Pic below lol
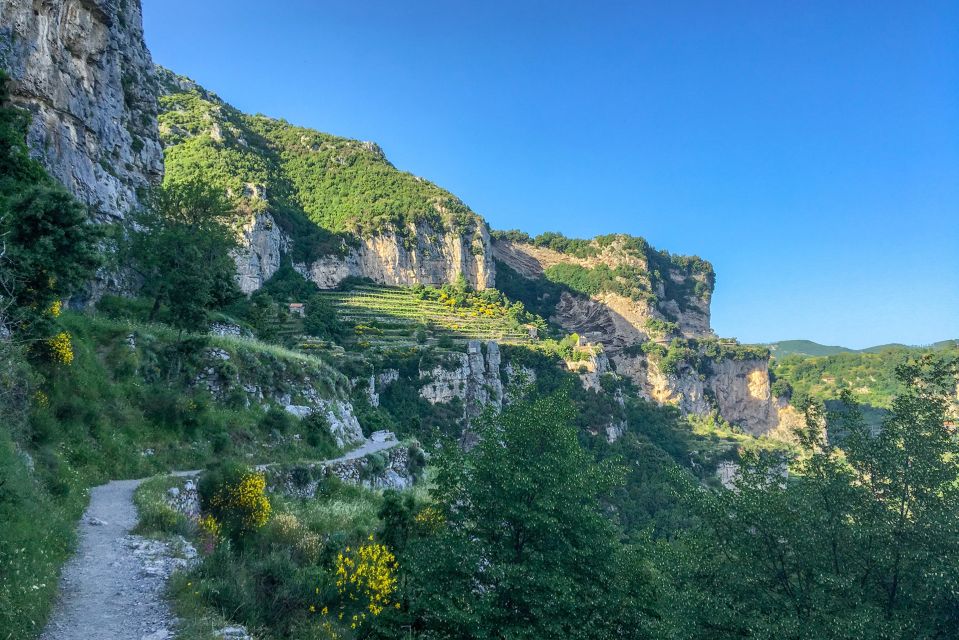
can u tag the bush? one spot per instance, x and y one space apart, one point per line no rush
235 496
155 514
318 435
276 419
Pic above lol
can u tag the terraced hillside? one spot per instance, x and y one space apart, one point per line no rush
399 316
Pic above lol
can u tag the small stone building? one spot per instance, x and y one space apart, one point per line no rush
298 309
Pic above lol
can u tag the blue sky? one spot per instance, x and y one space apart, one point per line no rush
810 150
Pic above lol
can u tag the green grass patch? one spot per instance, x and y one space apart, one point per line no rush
401 317
156 517
37 514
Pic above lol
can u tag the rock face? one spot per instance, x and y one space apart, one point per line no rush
423 255
473 377
737 389
262 245
301 390
83 71
611 318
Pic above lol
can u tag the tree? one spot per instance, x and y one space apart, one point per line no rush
181 245
861 542
321 320
51 248
522 548
48 246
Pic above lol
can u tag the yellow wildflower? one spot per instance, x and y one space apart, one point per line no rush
368 576
41 399
209 526
61 348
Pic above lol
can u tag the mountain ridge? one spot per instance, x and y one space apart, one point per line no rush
815 349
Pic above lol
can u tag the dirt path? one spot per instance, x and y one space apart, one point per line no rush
112 588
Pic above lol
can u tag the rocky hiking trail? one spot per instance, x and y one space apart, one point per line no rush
113 586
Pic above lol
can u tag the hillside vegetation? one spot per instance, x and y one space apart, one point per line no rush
337 185
810 348
397 317
869 376
621 264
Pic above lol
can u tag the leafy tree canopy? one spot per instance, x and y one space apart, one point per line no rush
181 245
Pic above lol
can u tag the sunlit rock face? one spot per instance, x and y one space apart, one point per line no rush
421 255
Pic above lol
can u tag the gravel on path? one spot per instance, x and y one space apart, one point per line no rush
113 586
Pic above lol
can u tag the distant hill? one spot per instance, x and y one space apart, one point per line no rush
807 369
814 349
936 346
805 348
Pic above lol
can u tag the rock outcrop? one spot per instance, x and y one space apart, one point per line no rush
262 246
613 318
472 377
669 301
302 389
737 389
83 71
421 255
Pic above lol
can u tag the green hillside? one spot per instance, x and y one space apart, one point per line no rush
870 376
810 348
804 348
399 317
936 346
318 186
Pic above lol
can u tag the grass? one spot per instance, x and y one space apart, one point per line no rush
391 316
269 582
156 517
350 512
37 512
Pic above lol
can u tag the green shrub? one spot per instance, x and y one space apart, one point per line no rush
155 514
235 496
278 420
317 429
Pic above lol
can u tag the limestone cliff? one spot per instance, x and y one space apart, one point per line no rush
638 295
650 311
83 71
421 255
472 377
334 207
262 247
737 389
